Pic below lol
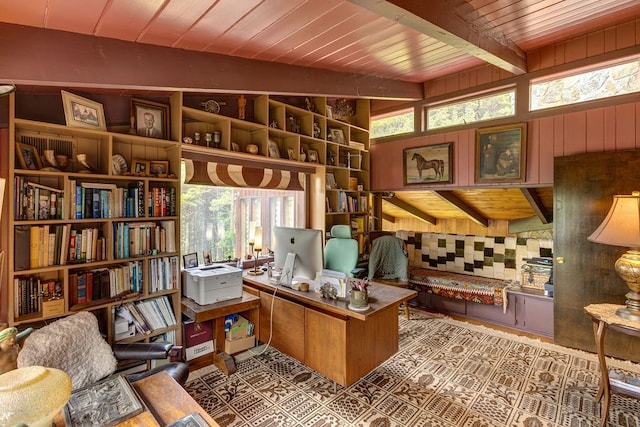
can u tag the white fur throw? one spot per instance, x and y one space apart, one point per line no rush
72 344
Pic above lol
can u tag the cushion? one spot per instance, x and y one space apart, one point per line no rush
72 344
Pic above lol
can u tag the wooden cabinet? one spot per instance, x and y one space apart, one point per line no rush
282 324
533 313
88 234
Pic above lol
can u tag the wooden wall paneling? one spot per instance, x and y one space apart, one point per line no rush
625 131
575 49
574 133
625 34
609 129
595 130
595 43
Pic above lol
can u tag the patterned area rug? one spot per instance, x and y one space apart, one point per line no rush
447 373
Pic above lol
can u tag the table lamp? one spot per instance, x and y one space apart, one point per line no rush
621 227
33 395
257 247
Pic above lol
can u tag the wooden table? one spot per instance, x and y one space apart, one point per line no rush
604 317
165 402
248 305
324 334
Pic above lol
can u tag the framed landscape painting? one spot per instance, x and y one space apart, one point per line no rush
501 153
431 164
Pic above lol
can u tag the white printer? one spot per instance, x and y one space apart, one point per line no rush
212 283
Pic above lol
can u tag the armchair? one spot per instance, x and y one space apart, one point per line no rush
74 345
341 252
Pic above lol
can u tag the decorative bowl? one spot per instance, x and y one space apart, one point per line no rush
252 149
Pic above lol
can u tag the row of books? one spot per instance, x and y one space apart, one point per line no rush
148 315
37 202
104 283
105 200
143 238
164 273
352 203
162 201
30 292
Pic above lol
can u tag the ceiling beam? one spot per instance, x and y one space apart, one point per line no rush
473 215
440 20
532 196
388 217
528 224
57 58
411 209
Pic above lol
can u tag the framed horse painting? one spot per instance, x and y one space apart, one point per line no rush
501 153
431 164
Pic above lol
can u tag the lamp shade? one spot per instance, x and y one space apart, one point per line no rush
621 227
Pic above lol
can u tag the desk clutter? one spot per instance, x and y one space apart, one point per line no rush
239 334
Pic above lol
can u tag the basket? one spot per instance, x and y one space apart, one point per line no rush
535 276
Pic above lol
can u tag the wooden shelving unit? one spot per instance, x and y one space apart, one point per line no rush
46 278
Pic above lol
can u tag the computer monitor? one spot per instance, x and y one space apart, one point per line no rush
305 243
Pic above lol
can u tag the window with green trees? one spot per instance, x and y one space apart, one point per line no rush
471 110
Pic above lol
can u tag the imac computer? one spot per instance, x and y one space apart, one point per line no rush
306 247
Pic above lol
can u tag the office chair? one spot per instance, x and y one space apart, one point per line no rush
74 345
341 252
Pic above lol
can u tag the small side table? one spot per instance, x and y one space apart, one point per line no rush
604 317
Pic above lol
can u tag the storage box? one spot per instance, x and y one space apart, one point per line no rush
212 283
198 338
54 307
241 328
239 345
535 276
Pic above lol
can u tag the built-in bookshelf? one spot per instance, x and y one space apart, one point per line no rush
86 232
331 134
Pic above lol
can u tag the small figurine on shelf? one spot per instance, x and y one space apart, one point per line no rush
316 130
242 104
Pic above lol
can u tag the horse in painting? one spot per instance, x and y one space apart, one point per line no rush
423 164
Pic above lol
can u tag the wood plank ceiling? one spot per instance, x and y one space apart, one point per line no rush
398 40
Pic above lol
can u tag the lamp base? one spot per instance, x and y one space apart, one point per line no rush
255 272
627 313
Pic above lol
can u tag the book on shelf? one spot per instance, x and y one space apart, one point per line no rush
162 200
106 200
37 202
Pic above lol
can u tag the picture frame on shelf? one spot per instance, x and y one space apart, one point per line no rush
235 147
337 135
190 260
150 119
274 150
331 181
501 154
83 112
313 155
140 167
430 164
206 256
291 153
28 157
159 168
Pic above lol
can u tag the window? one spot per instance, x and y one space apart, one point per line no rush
472 110
599 83
398 122
218 218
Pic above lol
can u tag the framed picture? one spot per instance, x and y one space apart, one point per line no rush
331 181
28 156
150 119
235 146
313 155
337 135
82 112
159 167
140 167
501 153
431 164
274 151
291 153
190 260
206 256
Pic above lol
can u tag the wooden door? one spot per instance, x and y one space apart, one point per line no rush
584 186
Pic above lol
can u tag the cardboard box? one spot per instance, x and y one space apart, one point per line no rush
241 328
53 307
239 345
198 338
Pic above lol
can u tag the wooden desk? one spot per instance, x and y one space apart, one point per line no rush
248 305
604 317
325 335
165 400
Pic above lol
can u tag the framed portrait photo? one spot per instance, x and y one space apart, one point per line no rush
190 260
28 157
431 164
82 112
150 119
501 154
337 135
140 167
313 155
274 150
159 168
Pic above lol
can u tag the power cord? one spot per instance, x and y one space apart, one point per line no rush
266 346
